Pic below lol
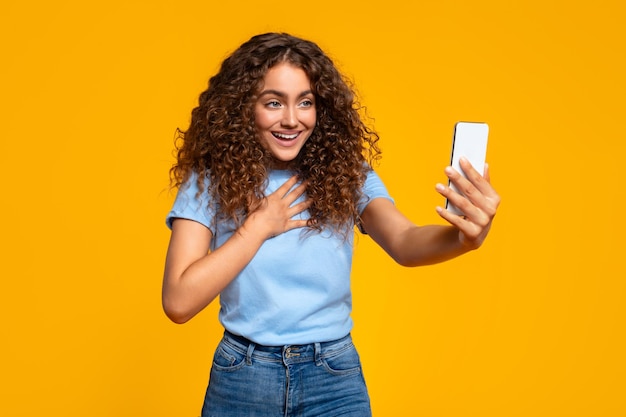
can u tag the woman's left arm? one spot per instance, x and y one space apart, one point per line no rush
412 245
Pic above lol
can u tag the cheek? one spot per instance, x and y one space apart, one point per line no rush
311 119
262 119
258 122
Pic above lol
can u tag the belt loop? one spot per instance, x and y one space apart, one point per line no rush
251 347
318 354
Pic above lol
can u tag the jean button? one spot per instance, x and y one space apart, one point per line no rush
289 354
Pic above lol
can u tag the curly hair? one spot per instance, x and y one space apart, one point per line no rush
222 144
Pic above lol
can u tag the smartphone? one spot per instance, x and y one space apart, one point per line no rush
469 141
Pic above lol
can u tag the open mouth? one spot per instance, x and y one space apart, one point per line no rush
284 136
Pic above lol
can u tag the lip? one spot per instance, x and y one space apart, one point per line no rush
286 138
286 135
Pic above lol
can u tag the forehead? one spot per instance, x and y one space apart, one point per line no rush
286 76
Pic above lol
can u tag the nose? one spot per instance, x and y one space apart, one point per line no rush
290 117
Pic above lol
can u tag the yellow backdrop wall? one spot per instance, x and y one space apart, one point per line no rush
530 325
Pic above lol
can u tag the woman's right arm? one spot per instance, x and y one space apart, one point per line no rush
194 276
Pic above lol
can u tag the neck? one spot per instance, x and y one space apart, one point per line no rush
282 165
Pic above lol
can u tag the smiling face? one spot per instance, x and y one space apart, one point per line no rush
285 112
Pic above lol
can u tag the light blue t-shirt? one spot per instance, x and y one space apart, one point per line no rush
296 289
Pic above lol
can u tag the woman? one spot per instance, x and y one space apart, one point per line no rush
275 171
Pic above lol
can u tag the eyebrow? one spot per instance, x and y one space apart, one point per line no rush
281 94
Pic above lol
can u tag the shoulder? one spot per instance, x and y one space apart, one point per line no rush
193 201
373 188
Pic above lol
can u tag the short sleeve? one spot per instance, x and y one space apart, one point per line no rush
191 206
373 188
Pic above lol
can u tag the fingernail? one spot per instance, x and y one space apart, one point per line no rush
440 187
449 170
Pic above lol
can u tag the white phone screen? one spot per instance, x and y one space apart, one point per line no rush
469 141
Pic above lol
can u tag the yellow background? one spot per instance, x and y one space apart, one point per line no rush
530 325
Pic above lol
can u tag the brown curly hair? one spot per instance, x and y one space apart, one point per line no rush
221 142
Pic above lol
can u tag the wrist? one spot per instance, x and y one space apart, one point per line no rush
253 230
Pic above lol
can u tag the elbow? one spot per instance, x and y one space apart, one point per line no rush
176 313
406 262
419 260
406 259
178 319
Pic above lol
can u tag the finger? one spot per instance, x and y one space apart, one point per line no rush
467 167
470 228
464 186
476 189
295 193
470 231
294 224
284 189
298 208
471 173
481 182
462 203
453 219
491 199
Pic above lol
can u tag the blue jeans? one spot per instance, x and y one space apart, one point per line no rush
319 379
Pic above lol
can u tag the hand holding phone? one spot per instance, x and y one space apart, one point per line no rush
469 141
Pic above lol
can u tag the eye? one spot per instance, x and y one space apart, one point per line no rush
307 103
273 104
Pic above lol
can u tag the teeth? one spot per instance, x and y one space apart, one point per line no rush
283 136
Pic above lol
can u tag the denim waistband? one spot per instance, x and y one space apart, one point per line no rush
245 343
289 354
